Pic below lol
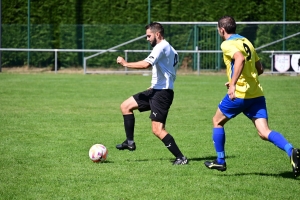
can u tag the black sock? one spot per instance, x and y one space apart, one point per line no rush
129 122
170 143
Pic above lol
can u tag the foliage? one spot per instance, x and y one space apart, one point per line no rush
93 24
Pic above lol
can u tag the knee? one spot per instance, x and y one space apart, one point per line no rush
215 121
219 121
157 132
125 108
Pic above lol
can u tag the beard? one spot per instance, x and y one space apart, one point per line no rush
154 42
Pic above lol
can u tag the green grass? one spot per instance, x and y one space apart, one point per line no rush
49 121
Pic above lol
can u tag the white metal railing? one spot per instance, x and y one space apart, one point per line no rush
109 50
113 49
196 48
100 51
198 52
53 50
279 40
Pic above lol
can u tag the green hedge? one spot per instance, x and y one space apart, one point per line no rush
94 24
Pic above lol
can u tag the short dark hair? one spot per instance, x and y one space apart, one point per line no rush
228 23
156 27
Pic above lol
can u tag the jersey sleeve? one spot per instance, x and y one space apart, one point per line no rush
154 55
228 49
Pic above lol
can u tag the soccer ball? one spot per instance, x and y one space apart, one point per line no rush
98 153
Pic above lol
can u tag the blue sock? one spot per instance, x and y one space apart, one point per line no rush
219 143
278 140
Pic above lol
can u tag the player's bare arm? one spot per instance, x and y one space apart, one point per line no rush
135 65
259 67
239 61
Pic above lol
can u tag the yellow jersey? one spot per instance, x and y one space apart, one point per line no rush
248 85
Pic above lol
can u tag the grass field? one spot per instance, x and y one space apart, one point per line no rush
49 121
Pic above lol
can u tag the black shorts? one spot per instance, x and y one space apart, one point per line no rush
158 101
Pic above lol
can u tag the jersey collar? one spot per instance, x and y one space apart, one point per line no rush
234 36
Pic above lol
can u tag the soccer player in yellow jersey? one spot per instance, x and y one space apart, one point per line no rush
244 95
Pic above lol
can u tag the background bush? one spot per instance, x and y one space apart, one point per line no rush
93 24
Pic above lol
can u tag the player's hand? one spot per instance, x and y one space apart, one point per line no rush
120 60
231 91
227 85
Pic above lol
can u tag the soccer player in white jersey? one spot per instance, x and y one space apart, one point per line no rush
158 97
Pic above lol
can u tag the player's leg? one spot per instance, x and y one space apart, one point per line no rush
160 104
257 112
280 141
160 132
276 138
127 108
227 109
259 116
218 137
138 101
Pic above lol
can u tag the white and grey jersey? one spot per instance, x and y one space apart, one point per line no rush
163 59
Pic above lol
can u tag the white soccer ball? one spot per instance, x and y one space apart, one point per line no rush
98 153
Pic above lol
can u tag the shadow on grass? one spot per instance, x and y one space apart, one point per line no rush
201 159
211 158
104 162
146 160
198 159
283 174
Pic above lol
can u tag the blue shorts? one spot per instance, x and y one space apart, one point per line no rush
252 108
